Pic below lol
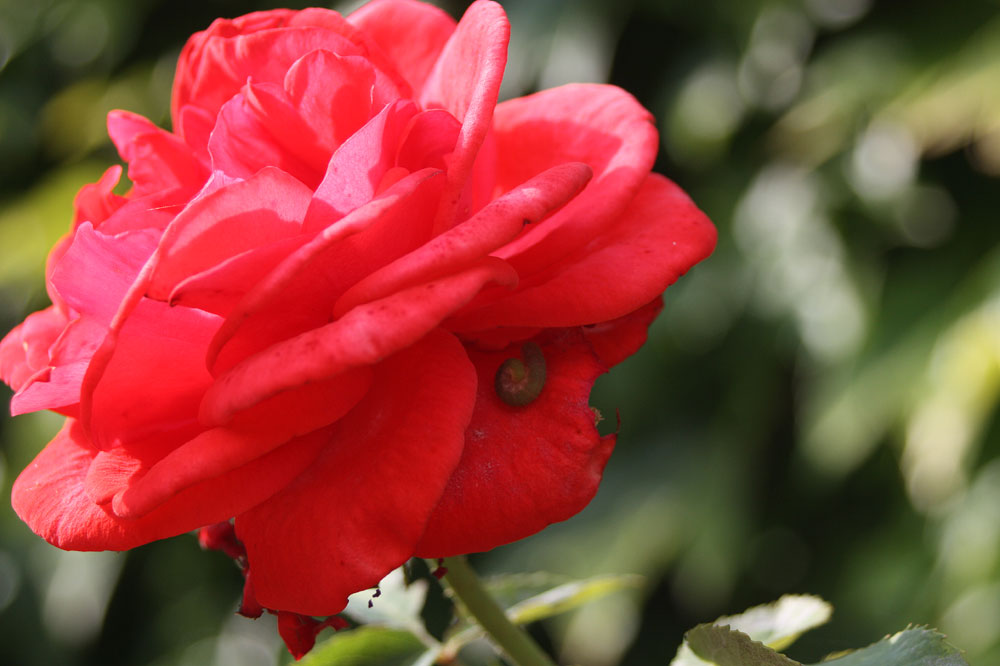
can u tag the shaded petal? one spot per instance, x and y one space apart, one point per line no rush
470 241
364 336
614 341
235 218
602 126
392 23
51 497
357 512
523 468
165 346
657 239
465 81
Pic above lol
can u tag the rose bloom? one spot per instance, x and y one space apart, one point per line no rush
300 316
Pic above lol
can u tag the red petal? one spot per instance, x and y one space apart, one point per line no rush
365 335
247 214
614 341
357 512
356 169
298 295
25 350
157 159
392 25
473 239
251 435
165 347
50 495
254 131
601 126
94 203
97 270
523 468
333 95
466 82
657 239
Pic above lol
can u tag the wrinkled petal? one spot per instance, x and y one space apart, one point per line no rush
656 240
50 495
317 542
392 23
523 468
365 335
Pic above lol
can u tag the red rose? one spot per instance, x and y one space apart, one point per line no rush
300 314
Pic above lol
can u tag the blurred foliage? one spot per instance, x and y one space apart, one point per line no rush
815 411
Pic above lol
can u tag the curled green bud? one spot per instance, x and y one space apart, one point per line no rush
518 382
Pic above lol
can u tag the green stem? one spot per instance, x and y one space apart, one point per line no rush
513 640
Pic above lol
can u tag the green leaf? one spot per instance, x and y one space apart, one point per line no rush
568 596
911 647
727 647
775 625
370 646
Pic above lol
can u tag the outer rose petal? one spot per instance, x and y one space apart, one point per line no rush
599 125
96 202
392 24
357 512
25 350
523 468
614 341
656 240
157 159
50 495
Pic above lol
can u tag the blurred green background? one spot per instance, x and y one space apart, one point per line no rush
815 410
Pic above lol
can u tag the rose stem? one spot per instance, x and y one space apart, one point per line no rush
513 640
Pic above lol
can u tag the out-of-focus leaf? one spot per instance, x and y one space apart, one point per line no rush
774 625
370 646
568 596
723 646
911 647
